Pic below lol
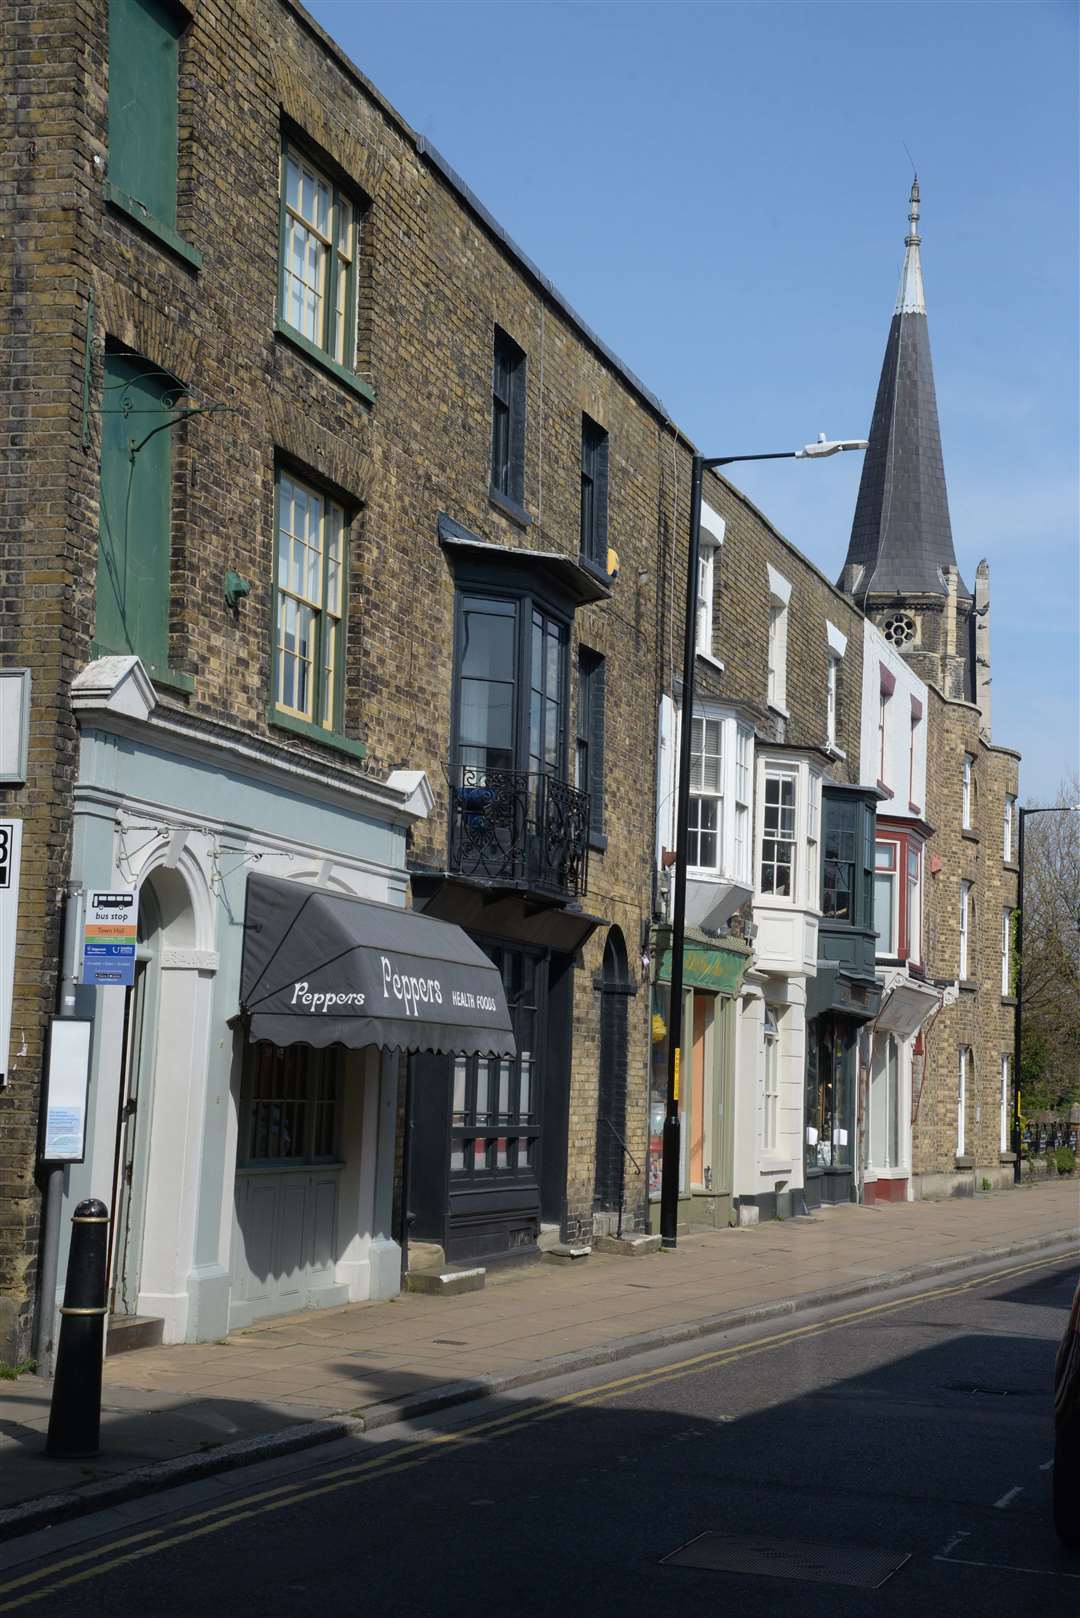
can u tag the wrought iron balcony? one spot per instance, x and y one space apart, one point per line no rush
525 831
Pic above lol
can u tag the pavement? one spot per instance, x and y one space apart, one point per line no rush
176 1413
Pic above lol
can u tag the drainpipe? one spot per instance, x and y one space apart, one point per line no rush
45 1317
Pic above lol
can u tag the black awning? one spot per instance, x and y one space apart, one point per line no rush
322 968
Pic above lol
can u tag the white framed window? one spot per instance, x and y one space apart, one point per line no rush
963 1085
914 904
744 747
886 897
779 597
309 595
837 647
913 753
1007 828
1006 950
813 876
967 925
1005 1129
706 817
710 537
770 1102
778 866
967 791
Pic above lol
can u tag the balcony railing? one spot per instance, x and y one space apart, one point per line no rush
527 831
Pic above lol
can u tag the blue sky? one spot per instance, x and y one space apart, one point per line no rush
720 190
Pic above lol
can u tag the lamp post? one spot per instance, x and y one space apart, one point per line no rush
1053 809
669 1178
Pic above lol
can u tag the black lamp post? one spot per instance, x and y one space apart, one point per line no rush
669 1178
1053 809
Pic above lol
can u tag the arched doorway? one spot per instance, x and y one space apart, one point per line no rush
155 1012
615 986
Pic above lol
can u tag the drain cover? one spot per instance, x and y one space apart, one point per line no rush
788 1559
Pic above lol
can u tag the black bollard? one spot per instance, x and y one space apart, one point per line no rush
75 1416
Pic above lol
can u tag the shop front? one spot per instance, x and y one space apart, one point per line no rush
713 974
244 1178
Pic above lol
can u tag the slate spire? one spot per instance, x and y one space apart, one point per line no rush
901 538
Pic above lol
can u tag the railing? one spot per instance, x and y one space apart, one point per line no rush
528 831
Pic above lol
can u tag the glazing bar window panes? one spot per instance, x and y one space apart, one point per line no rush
310 599
778 841
318 258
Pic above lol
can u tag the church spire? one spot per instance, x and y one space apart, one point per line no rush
901 538
910 300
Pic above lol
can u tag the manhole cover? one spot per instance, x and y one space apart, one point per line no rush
789 1559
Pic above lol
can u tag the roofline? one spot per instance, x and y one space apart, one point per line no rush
435 160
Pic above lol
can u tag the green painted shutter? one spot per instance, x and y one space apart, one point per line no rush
136 499
143 53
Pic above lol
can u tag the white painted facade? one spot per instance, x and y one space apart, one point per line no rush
182 814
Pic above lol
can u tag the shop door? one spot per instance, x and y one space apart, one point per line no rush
611 1150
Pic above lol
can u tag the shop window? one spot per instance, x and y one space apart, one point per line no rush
310 591
770 1107
594 493
778 840
508 419
290 1105
319 223
495 1119
705 828
138 409
829 1049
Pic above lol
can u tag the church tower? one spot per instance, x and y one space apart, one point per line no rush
901 566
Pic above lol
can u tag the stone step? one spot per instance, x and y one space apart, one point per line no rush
125 1332
447 1283
631 1246
563 1253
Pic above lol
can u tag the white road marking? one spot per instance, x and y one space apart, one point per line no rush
1007 1567
1045 1467
961 1533
1010 1495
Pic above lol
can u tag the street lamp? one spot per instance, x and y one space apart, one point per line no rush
1053 809
669 1180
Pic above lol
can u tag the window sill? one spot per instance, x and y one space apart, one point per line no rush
914 808
964 1162
1011 865
1006 1157
595 570
1008 999
887 791
969 985
509 508
713 662
775 1166
968 835
171 679
835 752
315 733
778 708
323 360
598 841
133 209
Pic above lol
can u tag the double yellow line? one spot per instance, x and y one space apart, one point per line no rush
93 1563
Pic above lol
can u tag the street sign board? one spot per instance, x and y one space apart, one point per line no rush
67 1088
109 928
10 853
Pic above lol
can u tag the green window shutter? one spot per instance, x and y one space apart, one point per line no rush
143 54
132 598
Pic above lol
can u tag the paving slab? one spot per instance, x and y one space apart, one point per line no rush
170 1413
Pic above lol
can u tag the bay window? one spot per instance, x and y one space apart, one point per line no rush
886 908
705 827
744 741
778 841
913 930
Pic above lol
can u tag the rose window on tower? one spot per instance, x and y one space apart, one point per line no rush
899 630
